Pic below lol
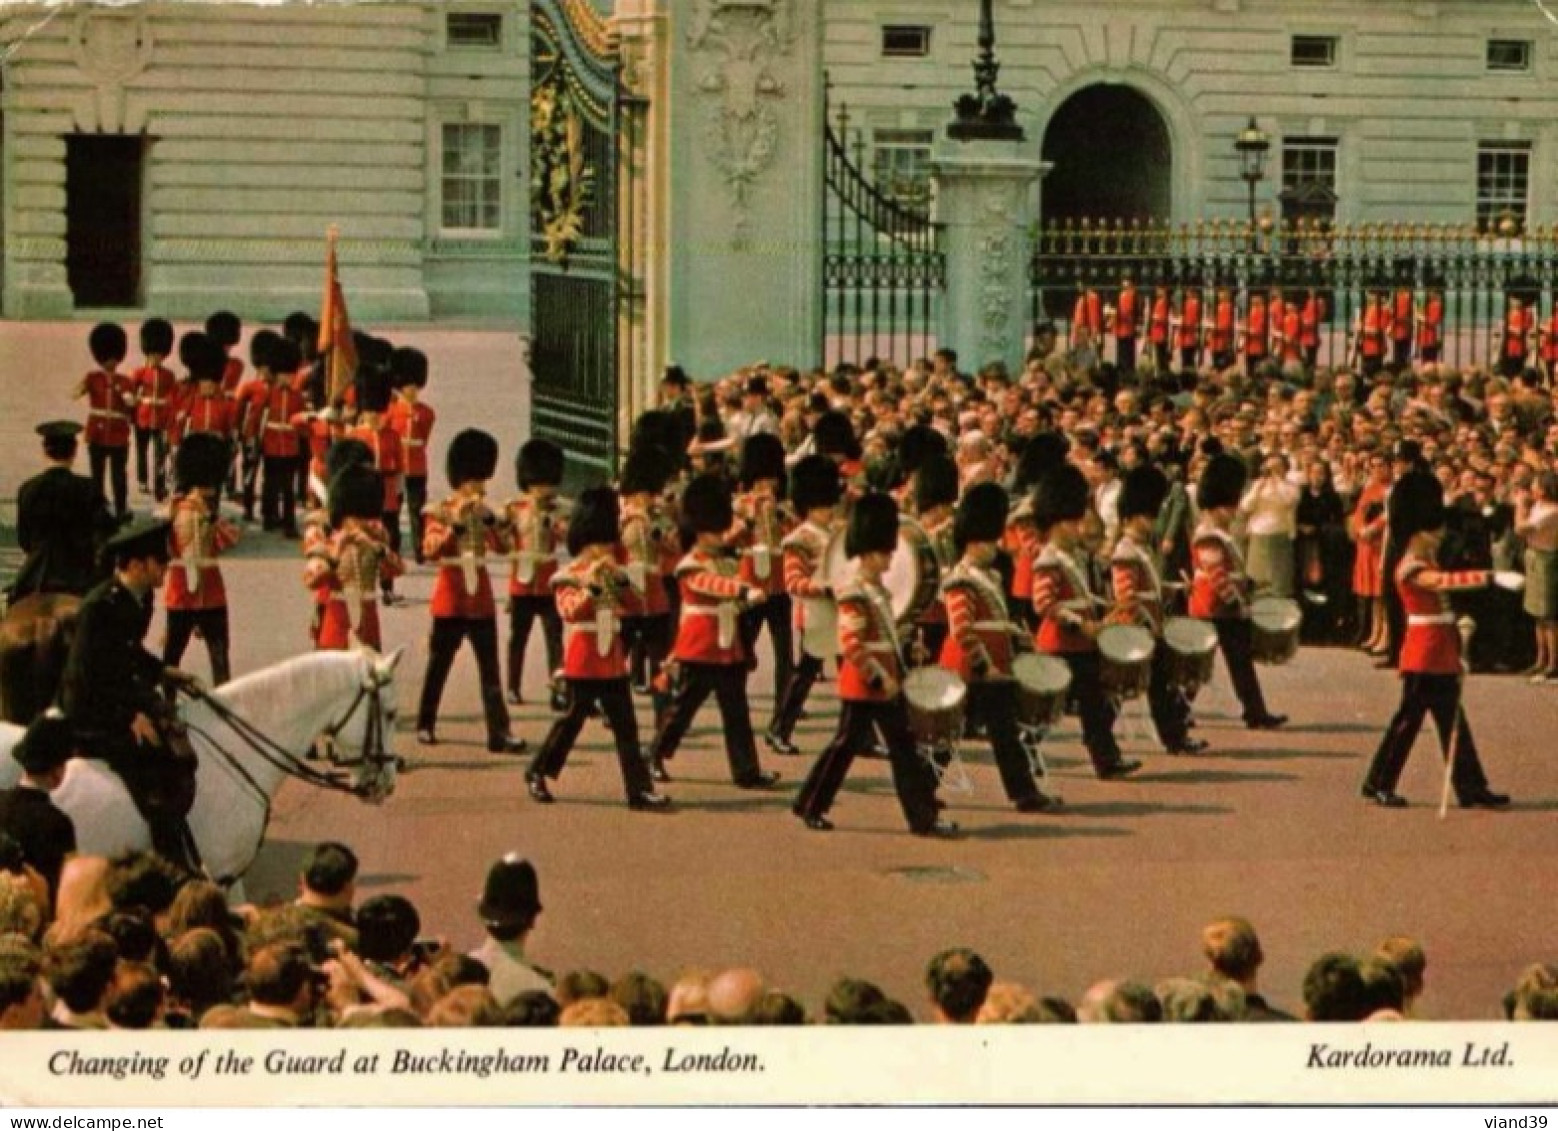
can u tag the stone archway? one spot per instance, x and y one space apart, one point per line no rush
1112 156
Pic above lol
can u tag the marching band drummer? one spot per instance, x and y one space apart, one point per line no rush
871 676
592 593
1217 591
758 536
815 490
1430 653
345 568
1039 455
1138 595
935 496
538 524
982 640
645 528
1064 603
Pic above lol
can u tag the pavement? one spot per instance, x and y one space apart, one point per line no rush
1267 825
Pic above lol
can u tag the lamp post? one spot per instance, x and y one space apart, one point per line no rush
985 115
1252 145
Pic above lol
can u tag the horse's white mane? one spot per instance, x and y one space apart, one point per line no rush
288 681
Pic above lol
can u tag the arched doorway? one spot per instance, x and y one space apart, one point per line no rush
1112 157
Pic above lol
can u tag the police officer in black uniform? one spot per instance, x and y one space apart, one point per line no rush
114 690
61 521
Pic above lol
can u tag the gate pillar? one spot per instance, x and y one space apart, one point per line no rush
985 198
745 215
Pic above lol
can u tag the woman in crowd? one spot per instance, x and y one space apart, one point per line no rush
1322 551
1536 521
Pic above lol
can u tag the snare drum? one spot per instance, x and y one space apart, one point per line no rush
1042 683
1125 652
936 699
1277 621
1190 647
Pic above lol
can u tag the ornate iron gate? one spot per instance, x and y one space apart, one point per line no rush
575 278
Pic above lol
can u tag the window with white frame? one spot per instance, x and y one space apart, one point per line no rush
1309 161
472 177
901 165
1503 182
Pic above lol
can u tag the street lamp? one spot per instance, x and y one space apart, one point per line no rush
986 114
1252 144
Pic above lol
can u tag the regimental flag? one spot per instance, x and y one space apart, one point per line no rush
335 329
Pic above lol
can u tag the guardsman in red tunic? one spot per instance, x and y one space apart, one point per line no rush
225 329
204 409
317 529
933 536
538 524
757 538
194 594
1139 599
1431 665
1187 330
345 567
412 418
815 491
1370 336
592 593
708 647
918 444
309 380
1548 348
1158 329
1220 332
1253 335
646 532
1403 321
1309 320
1219 585
281 441
373 395
1292 334
834 437
251 405
1430 328
1514 336
1065 604
871 675
1040 455
155 390
110 398
1087 326
462 533
1125 322
982 641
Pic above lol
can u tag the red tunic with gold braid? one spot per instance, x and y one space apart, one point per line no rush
980 639
593 594
868 644
758 535
1158 326
232 377
109 399
815 614
214 414
537 529
1431 644
1217 588
384 442
344 570
1189 336
155 391
413 423
460 537
1023 542
640 553
711 604
194 578
938 535
1138 588
1431 333
1063 601
280 436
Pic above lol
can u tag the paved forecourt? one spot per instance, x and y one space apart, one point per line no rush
1267 824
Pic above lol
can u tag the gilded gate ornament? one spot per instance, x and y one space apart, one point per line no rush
562 184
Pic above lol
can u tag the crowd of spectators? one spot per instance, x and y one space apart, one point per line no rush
132 944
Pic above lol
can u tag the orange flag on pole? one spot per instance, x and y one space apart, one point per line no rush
335 328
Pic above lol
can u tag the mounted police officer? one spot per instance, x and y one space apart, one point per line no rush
61 520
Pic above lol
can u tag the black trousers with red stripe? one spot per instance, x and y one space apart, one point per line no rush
728 684
616 703
1423 694
913 778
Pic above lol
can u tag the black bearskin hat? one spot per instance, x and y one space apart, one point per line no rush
1222 482
107 342
834 435
1042 453
981 516
919 443
1143 492
596 520
1062 495
706 505
473 454
201 461
646 470
814 482
299 327
659 428
538 462
1416 505
873 526
762 457
157 336
224 328
373 390
262 349
286 357
346 453
202 357
357 492
408 367
937 482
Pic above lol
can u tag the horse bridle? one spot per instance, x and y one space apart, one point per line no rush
375 751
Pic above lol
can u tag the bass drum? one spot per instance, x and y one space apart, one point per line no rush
936 699
1277 621
913 577
1042 683
1191 647
1125 653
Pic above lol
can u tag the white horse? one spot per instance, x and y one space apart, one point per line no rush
248 735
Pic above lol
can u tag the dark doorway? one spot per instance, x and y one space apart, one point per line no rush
103 219
1112 158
